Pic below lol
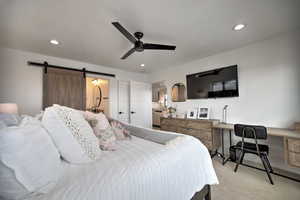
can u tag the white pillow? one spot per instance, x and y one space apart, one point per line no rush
29 161
10 119
72 134
2 125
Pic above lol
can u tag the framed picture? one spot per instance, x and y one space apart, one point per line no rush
203 113
192 114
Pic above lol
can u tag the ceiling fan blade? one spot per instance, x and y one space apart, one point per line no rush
130 37
158 46
131 51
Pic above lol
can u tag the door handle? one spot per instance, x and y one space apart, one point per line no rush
120 113
132 112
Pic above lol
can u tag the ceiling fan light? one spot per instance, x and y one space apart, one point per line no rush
239 27
55 42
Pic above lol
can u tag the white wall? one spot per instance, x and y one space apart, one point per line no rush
269 85
269 82
22 84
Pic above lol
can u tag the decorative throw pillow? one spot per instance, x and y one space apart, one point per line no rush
102 130
100 117
71 134
120 131
106 138
29 161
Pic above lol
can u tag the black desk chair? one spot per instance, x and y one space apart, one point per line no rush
256 133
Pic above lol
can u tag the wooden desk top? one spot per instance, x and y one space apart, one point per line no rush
279 132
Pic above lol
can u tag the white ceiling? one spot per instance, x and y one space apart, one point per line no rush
199 28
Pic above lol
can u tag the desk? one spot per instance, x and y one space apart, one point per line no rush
277 132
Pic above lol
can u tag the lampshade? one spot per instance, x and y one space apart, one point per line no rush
10 108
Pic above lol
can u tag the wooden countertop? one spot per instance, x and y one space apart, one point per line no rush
279 132
215 121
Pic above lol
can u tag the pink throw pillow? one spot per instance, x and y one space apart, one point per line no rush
102 120
120 131
102 130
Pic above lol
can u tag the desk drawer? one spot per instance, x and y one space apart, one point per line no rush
294 159
170 122
294 145
199 125
170 128
200 134
181 123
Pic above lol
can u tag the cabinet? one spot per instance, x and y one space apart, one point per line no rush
293 149
201 129
293 152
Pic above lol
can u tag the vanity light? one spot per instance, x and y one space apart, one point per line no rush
239 27
55 42
96 82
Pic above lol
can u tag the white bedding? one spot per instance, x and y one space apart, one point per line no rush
139 170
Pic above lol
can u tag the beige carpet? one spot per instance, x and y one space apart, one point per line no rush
251 184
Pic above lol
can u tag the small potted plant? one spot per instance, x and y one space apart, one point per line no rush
172 111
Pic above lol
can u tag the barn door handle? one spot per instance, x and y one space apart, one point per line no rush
120 113
132 112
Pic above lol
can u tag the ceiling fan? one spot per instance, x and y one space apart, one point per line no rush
139 46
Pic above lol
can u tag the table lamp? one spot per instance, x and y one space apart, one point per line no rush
10 108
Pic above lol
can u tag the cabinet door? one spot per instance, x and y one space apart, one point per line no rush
294 159
293 145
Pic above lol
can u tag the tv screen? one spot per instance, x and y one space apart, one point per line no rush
215 83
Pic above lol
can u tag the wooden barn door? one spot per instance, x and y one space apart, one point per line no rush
64 87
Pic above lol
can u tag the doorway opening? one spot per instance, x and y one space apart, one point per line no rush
97 95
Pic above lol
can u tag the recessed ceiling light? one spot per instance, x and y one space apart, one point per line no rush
142 65
239 27
55 42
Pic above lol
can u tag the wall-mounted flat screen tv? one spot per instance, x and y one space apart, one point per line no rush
217 83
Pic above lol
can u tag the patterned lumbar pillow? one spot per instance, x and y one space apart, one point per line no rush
120 131
71 134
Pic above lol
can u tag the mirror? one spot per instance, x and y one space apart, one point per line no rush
159 93
178 92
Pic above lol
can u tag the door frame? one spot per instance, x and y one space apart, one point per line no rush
109 79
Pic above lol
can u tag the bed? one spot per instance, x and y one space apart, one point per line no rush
141 169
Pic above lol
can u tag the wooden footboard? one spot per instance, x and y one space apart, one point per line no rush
205 194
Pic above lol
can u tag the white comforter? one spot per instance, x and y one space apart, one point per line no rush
139 170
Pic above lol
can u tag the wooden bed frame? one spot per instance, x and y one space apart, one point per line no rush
205 194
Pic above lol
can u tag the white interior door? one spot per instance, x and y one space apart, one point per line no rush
141 104
123 101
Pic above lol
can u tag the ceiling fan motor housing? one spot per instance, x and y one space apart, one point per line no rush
138 35
139 46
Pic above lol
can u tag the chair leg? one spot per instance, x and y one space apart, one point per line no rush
242 158
239 161
266 169
208 195
268 163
